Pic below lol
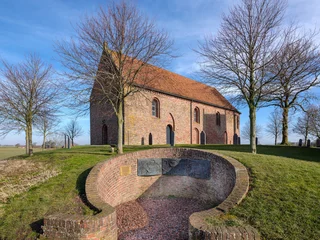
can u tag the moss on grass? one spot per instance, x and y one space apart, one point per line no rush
224 220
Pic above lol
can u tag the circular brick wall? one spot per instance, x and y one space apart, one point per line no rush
158 172
117 180
210 177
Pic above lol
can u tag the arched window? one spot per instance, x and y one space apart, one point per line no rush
196 115
218 121
156 108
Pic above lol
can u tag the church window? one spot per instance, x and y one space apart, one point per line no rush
156 108
196 115
218 120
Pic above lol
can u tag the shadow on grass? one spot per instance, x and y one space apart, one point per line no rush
60 152
301 153
89 153
81 187
36 226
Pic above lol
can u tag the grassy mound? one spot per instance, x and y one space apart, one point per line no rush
22 215
283 201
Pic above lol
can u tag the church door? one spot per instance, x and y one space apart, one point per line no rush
203 138
104 135
150 139
170 135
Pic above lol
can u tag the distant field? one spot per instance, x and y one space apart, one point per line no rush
6 152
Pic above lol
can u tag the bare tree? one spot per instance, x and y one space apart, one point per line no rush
237 59
245 132
275 125
46 124
55 139
315 121
112 53
298 63
303 125
73 130
26 90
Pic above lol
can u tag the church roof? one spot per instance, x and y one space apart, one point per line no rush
161 80
174 84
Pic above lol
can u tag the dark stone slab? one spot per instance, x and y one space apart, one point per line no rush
199 168
175 167
149 167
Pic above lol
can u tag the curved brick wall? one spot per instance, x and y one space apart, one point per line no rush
116 181
199 229
115 189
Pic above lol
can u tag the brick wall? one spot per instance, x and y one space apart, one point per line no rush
199 229
178 112
103 114
115 189
107 186
62 226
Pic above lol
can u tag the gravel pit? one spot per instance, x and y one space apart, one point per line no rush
157 218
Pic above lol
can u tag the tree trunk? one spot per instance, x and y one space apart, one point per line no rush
120 127
275 139
44 142
307 131
285 116
306 134
27 141
252 116
29 126
305 139
44 134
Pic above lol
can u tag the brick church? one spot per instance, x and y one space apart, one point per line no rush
172 109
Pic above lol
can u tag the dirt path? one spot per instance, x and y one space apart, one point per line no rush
157 219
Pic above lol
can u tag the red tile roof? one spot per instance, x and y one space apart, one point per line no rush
180 86
161 80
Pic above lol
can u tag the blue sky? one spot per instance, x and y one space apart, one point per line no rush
33 26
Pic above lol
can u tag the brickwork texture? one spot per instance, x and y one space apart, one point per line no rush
178 112
108 185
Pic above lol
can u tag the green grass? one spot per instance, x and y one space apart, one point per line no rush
283 201
303 153
23 214
7 152
225 220
284 197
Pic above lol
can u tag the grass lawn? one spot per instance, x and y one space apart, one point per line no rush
283 201
22 215
6 152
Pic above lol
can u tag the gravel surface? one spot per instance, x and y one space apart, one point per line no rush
157 218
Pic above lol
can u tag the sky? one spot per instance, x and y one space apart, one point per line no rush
33 26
